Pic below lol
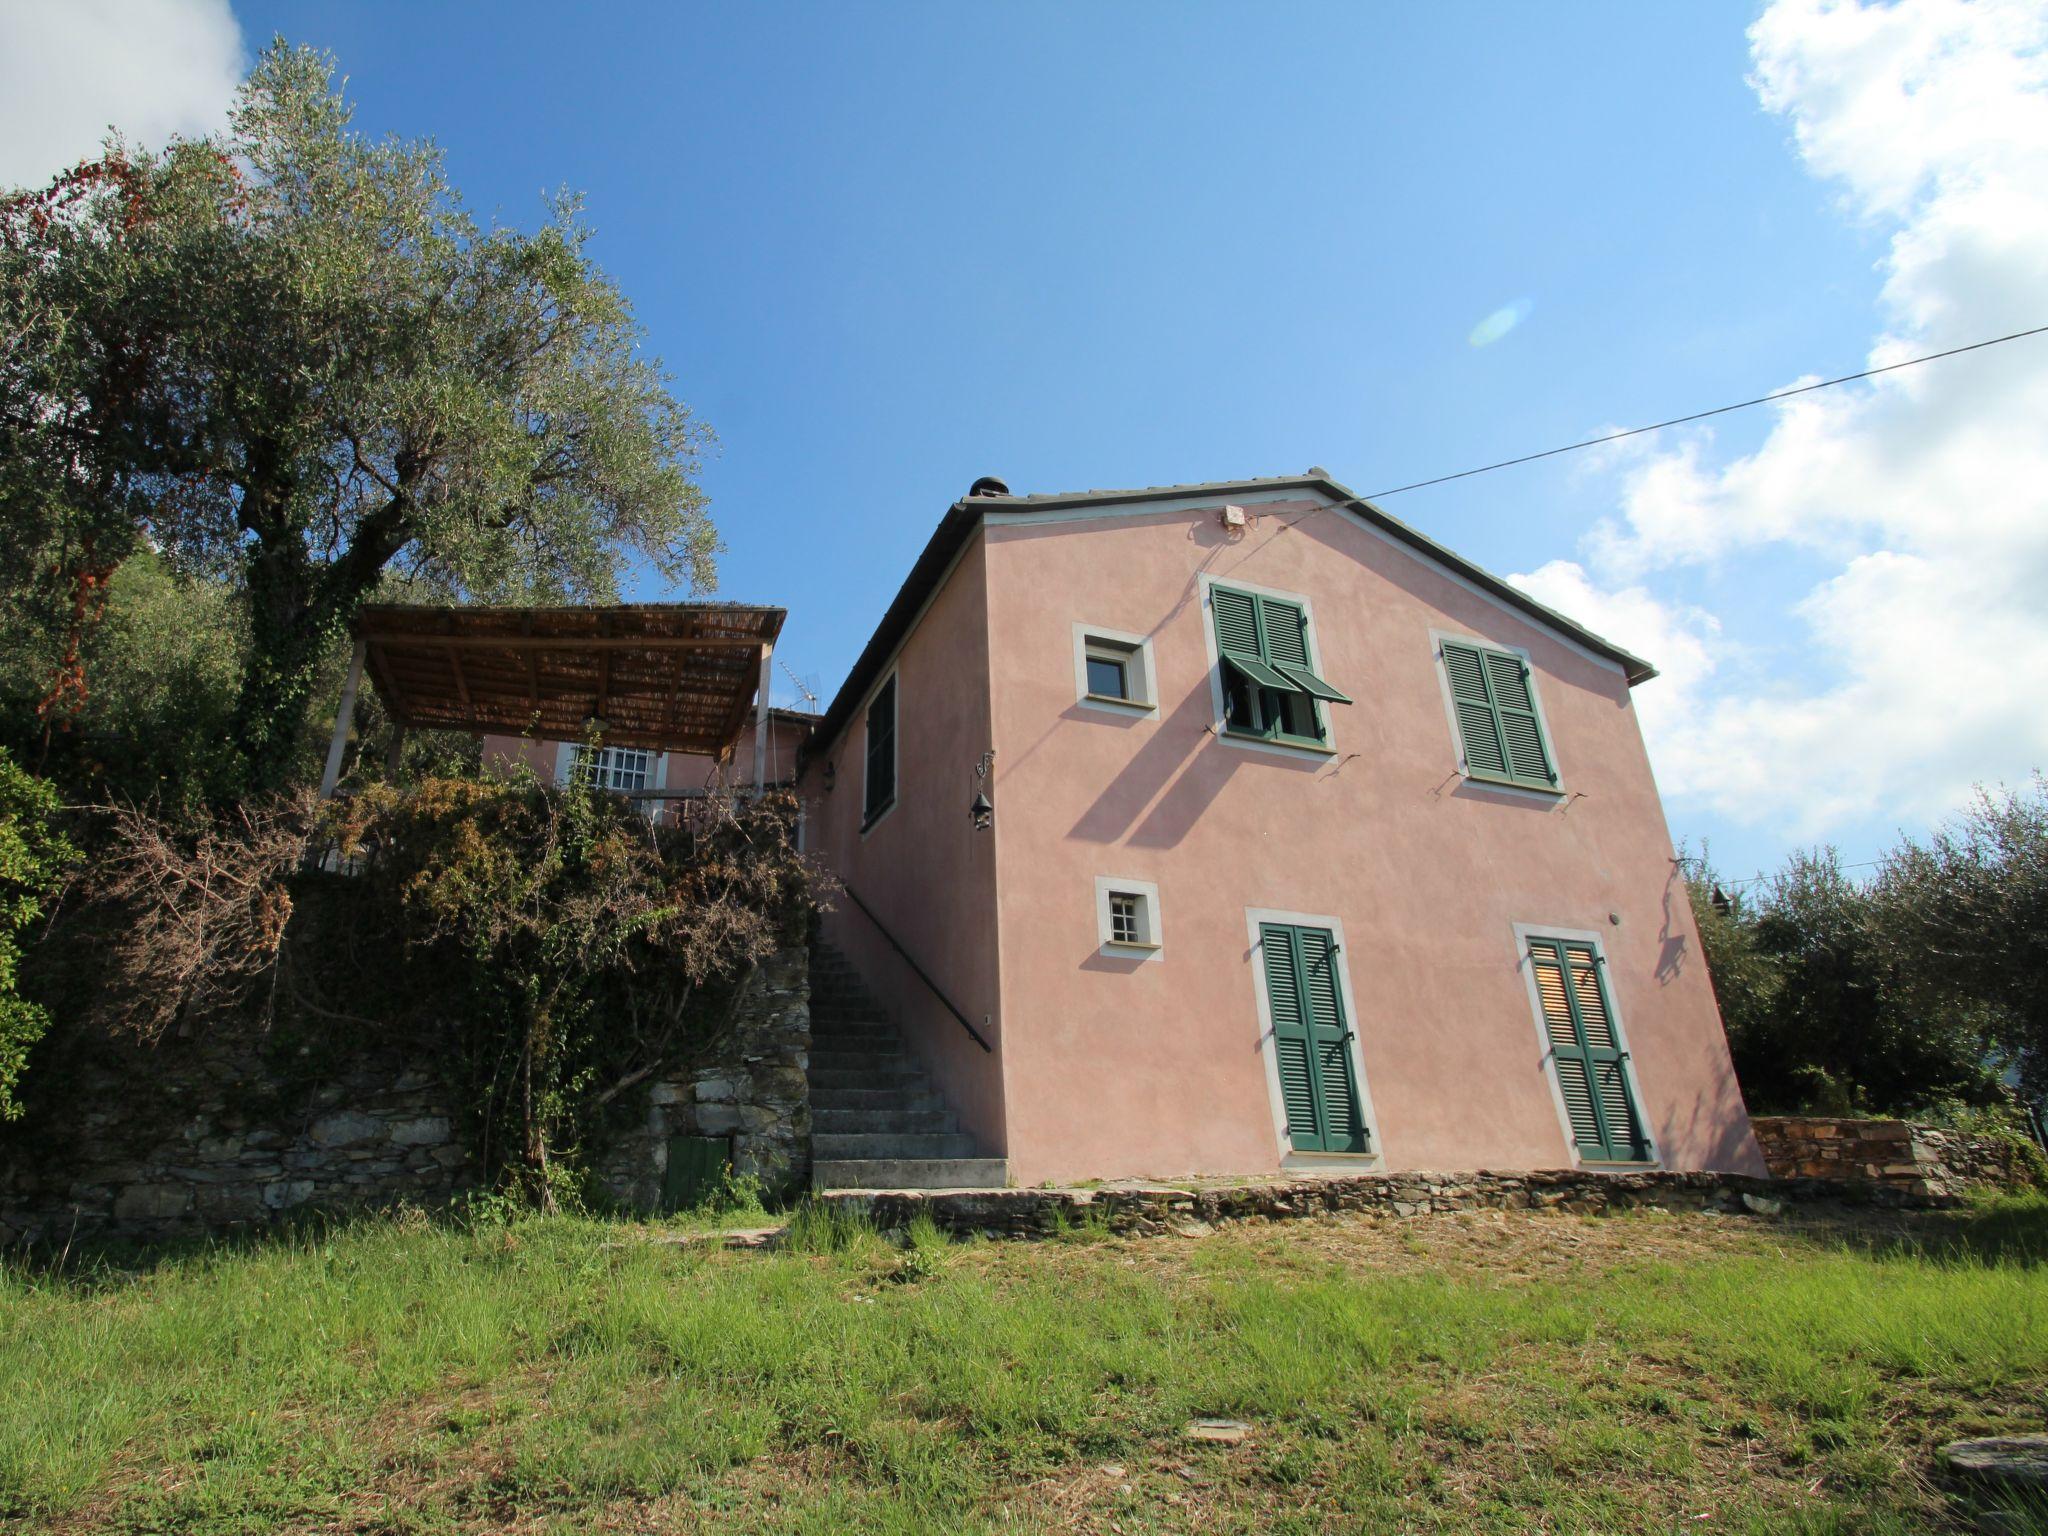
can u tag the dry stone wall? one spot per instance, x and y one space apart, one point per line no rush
223 1132
751 1087
1894 1154
1144 1209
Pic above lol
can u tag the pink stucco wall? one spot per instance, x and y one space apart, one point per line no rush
923 868
1113 1068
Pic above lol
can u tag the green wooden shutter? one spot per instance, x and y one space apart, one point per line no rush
1285 628
1585 1053
1478 731
879 791
1291 1045
1343 1121
1528 756
1498 727
1311 1040
1237 622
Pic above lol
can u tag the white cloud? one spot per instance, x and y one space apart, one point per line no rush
71 68
1925 654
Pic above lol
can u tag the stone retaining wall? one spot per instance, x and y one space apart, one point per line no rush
1896 1154
1146 1209
752 1085
216 1134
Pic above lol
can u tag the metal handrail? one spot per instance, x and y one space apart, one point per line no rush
921 976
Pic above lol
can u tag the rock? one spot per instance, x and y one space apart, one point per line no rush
667 1093
2008 1461
426 1131
287 1192
152 1202
717 1119
1189 1226
714 1090
1217 1431
344 1129
1762 1206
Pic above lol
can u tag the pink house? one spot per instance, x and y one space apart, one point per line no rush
1226 828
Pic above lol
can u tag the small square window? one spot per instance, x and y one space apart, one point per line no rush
1127 918
1113 670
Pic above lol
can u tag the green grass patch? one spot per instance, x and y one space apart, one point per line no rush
1493 1374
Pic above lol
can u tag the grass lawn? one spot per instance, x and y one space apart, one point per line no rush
1486 1372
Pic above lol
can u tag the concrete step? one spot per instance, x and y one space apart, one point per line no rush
854 1058
898 1079
911 1100
894 1120
834 1146
825 1029
910 1173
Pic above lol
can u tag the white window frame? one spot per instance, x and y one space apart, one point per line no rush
1524 932
895 754
1153 945
1263 1015
1135 652
565 765
1219 707
1556 794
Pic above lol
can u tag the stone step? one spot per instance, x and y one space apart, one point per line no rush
899 1079
892 1120
882 1146
890 1057
910 1173
908 1099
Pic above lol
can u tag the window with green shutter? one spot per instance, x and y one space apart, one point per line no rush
878 791
1585 1051
1270 685
1499 730
1311 1039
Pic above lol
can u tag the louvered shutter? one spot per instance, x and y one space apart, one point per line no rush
1285 626
1291 1044
1478 731
1528 758
879 791
1336 1083
1237 622
1603 1050
1585 1053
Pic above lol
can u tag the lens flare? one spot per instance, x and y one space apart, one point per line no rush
1499 323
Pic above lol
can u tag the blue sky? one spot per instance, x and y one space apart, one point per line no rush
886 249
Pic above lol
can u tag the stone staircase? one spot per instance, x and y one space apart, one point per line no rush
876 1120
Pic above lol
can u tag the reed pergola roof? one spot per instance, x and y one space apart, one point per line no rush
675 677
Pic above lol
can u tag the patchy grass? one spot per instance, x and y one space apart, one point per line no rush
1493 1373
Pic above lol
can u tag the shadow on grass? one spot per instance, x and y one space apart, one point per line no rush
2004 1229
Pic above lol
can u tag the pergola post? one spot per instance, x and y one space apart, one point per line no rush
761 720
344 717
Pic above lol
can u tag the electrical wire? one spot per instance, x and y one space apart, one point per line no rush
1719 410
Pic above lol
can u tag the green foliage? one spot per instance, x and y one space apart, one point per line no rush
559 946
288 358
1903 994
33 857
1966 913
159 674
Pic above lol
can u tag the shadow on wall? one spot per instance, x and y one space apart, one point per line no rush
1715 1130
1673 946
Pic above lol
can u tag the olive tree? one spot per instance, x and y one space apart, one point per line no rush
288 356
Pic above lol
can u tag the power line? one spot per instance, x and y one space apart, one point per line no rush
1719 410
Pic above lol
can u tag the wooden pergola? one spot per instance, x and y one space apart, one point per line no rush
670 677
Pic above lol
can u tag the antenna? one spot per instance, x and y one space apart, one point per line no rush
809 697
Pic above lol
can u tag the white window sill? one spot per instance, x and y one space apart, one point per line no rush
1111 704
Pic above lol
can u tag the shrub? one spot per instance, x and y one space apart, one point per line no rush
33 857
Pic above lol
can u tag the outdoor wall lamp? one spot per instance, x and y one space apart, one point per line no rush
983 810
